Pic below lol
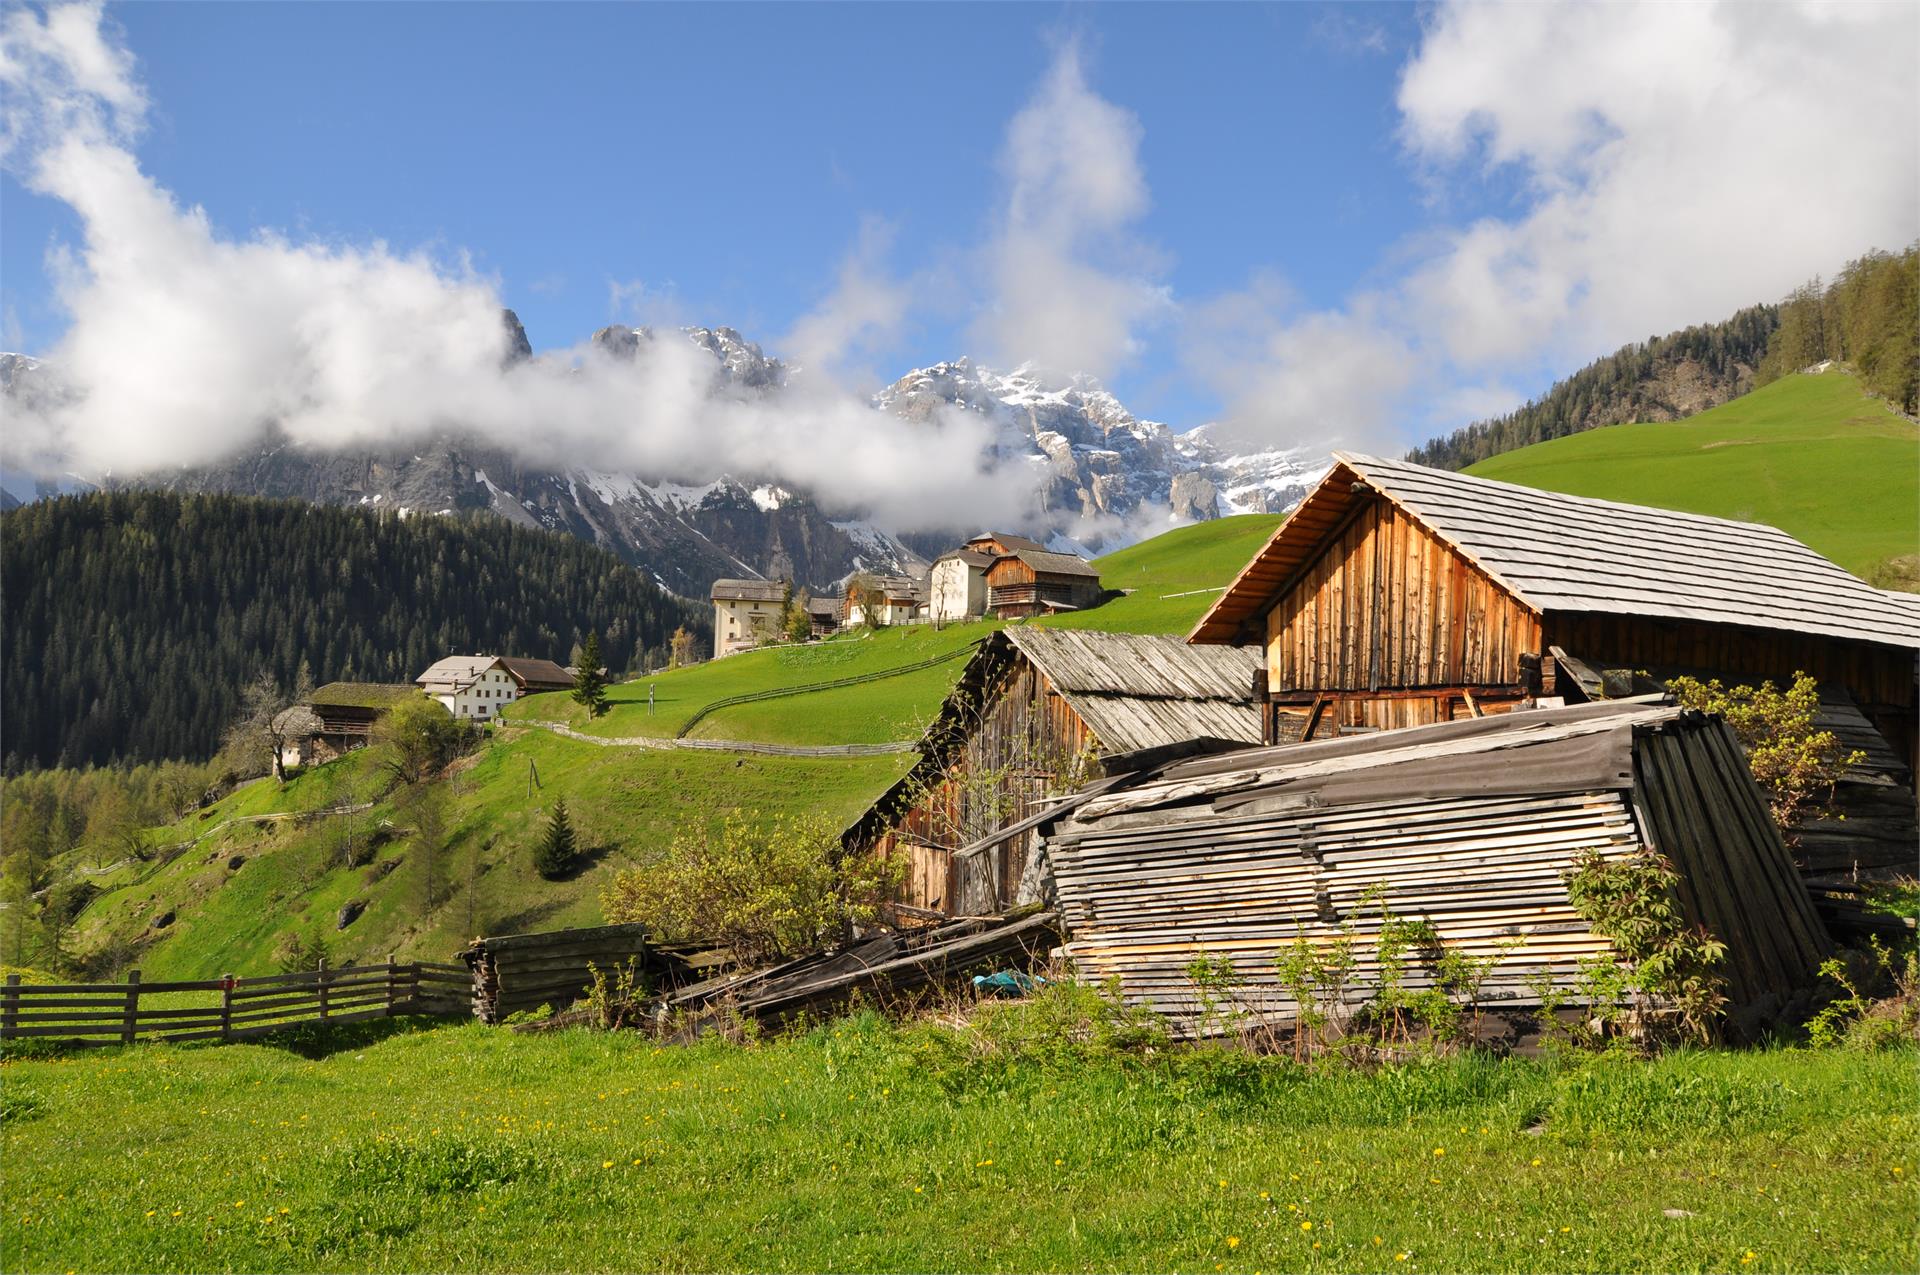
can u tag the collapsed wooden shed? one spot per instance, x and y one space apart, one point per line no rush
516 972
1034 714
1473 825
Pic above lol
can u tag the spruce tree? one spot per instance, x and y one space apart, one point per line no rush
555 855
590 678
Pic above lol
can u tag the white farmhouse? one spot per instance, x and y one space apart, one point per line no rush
472 687
959 585
745 613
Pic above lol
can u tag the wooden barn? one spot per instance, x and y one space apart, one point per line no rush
1035 582
1036 713
1397 595
1472 825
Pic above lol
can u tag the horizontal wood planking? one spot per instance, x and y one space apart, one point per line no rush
236 1008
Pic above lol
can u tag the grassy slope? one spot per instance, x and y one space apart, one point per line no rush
863 1148
873 712
626 802
1812 455
1204 556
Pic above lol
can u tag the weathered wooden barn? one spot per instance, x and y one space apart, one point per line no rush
1035 713
1035 582
1473 825
1397 595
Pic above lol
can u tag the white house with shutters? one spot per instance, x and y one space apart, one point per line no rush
473 688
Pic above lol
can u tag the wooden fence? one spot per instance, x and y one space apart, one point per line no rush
227 1008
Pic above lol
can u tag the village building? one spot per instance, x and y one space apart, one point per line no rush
1030 582
335 719
1035 713
883 601
471 687
745 613
957 586
1473 826
1398 595
823 616
531 677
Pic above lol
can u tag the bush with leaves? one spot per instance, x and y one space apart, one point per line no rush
767 888
1661 961
1795 763
1859 1019
418 737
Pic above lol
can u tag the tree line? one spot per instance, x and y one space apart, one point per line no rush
134 620
1868 317
1627 385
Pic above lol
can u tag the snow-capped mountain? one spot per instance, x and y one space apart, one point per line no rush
1103 477
1107 469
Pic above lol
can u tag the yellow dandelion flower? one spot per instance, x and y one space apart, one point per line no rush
1058 1161
1233 1241
151 1212
1265 1196
1399 1257
1439 1150
1536 1162
606 1164
1223 1181
1306 1226
239 1204
1565 1229
919 1190
982 1164
177 1212
1316 1243
1746 1257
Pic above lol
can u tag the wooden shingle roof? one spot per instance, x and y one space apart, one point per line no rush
748 590
1577 554
1136 690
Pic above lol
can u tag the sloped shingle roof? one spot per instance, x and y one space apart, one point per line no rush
748 590
1057 564
1136 690
457 670
1577 554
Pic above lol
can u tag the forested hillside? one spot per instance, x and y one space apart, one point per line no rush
133 619
1662 379
1868 317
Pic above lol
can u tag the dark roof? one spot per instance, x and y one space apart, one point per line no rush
897 588
749 590
1008 541
525 670
1575 554
824 606
969 556
362 694
1057 564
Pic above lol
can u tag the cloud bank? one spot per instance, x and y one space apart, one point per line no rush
1669 163
186 348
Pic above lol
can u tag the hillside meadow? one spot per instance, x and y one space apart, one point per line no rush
868 1147
1811 454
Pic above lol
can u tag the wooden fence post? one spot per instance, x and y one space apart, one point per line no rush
392 979
320 983
10 1007
130 1022
226 1007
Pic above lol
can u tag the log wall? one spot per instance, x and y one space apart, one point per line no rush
1389 604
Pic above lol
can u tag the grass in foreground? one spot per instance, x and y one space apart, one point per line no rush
865 1147
1811 454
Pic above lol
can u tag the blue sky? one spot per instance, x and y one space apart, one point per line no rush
724 157
1322 223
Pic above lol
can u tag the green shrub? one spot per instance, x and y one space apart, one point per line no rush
767 889
1795 764
1658 959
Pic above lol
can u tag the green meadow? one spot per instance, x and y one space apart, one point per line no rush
867 1147
1810 454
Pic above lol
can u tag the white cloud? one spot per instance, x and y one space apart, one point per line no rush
185 347
1072 284
1674 162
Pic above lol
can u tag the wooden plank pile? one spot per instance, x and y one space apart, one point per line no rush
518 972
888 970
1473 826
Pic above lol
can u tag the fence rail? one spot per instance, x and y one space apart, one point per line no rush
227 1008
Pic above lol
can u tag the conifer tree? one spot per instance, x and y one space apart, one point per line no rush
590 678
555 855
